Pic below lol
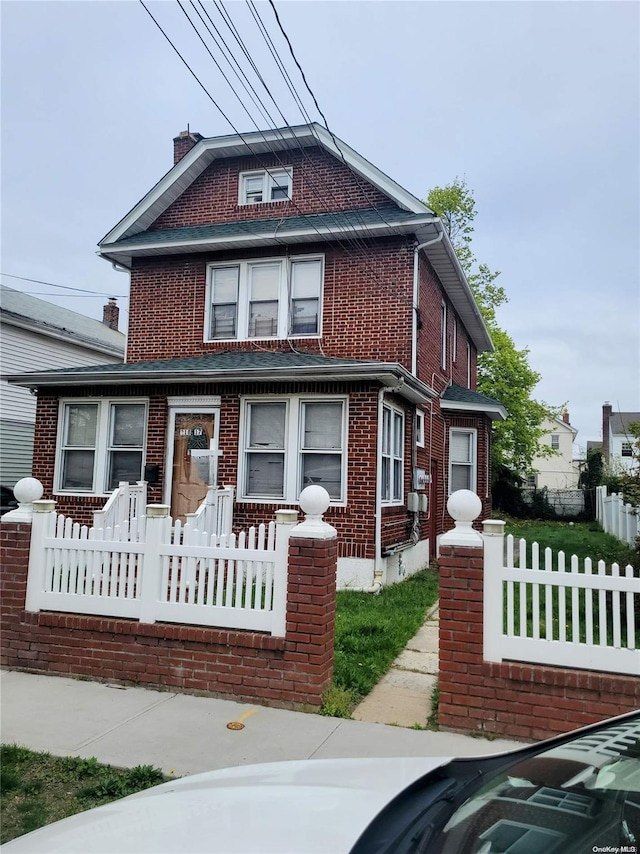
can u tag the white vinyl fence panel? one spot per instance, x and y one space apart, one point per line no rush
616 517
547 610
152 569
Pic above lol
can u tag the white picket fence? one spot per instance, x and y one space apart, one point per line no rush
617 518
553 612
152 569
125 503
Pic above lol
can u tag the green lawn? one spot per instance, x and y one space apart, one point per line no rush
371 630
584 539
38 788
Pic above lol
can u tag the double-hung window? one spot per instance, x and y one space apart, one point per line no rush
265 185
462 460
101 443
290 443
392 468
271 298
555 441
627 449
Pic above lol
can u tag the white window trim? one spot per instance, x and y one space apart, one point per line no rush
292 451
555 445
419 429
474 457
266 184
393 502
443 335
468 365
454 343
100 463
284 298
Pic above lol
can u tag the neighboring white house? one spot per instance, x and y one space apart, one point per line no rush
558 470
617 440
37 335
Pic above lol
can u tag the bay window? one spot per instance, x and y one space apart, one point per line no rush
101 442
462 460
270 298
392 468
290 443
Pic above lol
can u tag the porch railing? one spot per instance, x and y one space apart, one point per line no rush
125 504
215 514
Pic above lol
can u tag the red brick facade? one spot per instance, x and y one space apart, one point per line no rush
293 671
367 314
529 702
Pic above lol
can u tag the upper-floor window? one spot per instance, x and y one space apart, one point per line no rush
275 298
627 449
454 343
420 429
555 441
265 185
468 365
101 443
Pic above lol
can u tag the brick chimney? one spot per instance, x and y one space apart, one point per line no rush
111 314
565 417
606 416
183 143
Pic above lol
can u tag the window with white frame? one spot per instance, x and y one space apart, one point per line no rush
101 443
462 460
265 185
266 298
454 343
420 429
468 365
555 441
392 467
443 334
290 443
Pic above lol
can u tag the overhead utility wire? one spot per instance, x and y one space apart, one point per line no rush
315 101
228 120
362 241
357 240
85 291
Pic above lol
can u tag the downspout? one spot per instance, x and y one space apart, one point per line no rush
377 570
414 323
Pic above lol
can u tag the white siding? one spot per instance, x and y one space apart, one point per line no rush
16 452
24 351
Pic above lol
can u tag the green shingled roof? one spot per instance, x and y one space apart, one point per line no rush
458 394
333 221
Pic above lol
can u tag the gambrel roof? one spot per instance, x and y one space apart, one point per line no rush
406 215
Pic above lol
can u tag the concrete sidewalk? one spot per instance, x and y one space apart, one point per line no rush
183 734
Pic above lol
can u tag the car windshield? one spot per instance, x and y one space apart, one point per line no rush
583 796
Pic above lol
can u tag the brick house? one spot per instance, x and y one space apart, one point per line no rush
296 317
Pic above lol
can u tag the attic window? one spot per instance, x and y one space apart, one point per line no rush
267 185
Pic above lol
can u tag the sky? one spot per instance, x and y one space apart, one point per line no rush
535 104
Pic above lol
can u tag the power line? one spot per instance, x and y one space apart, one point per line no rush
85 291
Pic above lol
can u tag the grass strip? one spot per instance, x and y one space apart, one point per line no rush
371 631
37 788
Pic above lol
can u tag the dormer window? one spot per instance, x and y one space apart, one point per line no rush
267 185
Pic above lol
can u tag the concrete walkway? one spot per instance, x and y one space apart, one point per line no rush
404 695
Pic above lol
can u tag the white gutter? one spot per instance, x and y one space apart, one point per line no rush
416 296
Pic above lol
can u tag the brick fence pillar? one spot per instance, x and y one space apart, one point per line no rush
15 545
311 597
460 565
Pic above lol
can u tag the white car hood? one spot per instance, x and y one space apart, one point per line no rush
305 807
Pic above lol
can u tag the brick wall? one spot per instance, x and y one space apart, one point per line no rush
321 184
522 701
293 671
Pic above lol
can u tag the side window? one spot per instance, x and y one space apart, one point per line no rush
392 468
462 460
265 185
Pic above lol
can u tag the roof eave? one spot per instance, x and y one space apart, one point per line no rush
496 412
64 335
391 375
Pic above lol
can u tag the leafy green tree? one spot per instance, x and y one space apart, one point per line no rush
504 374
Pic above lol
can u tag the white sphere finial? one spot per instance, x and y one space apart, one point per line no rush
464 506
314 500
26 491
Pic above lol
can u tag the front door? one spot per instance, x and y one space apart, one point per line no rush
194 459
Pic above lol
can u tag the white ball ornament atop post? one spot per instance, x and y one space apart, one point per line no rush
464 507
